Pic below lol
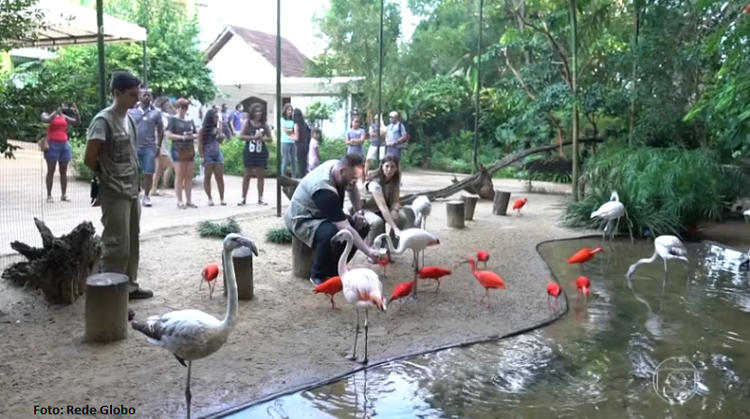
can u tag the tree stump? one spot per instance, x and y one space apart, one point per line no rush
455 212
500 203
470 204
61 266
242 260
106 308
302 258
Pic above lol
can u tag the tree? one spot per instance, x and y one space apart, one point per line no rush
350 29
20 20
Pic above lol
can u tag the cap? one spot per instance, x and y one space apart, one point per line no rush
393 113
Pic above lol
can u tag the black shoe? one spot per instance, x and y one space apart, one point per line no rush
141 294
316 281
131 315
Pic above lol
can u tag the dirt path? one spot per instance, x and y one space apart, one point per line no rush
286 337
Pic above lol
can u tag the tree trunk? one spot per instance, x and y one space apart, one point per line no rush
634 70
574 90
61 266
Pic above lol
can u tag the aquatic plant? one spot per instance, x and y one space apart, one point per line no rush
665 190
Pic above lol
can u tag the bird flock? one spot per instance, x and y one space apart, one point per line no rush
192 335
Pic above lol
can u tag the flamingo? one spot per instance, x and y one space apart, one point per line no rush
208 275
518 204
553 290
422 208
610 211
666 247
488 279
412 238
483 257
362 289
192 334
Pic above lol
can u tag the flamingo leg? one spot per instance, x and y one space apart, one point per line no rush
364 361
353 355
666 275
416 274
617 228
188 396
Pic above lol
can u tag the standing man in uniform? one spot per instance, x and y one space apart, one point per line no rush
315 214
111 154
149 135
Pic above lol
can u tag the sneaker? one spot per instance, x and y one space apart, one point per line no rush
146 201
141 294
316 281
261 201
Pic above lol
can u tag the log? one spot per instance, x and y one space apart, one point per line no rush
61 266
106 310
242 260
302 258
500 203
470 204
467 183
455 212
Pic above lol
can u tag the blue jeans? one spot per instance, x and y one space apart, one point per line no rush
147 159
395 151
213 158
58 151
288 158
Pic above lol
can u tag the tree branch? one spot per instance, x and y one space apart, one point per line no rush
518 75
544 30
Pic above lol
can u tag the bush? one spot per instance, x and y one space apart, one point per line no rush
233 164
218 230
664 190
280 235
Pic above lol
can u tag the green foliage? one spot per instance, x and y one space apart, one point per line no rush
318 112
233 164
20 19
280 235
663 190
218 230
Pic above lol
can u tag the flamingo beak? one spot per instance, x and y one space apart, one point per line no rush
379 303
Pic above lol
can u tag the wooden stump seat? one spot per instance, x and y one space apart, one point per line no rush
500 203
470 205
106 311
302 258
455 212
242 259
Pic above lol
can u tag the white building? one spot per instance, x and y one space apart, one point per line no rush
243 62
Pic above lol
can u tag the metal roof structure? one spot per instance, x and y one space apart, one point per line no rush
66 23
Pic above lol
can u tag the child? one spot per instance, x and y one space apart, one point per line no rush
313 155
355 138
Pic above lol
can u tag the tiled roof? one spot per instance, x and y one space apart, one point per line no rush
293 61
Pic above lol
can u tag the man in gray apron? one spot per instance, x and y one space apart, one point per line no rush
316 214
111 154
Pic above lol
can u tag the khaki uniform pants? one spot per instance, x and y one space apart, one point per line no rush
377 225
121 219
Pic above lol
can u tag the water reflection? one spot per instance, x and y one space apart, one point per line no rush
598 362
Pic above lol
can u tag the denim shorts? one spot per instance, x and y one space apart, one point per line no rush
147 160
58 151
214 158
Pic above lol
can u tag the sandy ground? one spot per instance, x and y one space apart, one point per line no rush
286 336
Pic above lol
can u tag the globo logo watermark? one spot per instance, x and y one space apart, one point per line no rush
676 380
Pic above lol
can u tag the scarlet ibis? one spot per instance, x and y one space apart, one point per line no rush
434 272
402 290
553 290
330 287
746 10
583 285
483 257
208 275
488 280
582 256
518 204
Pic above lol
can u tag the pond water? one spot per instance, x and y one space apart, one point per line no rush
599 361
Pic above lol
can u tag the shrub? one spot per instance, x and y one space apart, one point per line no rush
280 235
233 164
664 190
219 230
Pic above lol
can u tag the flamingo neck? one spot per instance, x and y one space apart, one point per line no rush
614 197
343 269
652 259
397 251
230 318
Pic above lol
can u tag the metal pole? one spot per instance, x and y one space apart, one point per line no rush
145 64
380 81
479 88
100 48
278 108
